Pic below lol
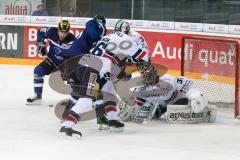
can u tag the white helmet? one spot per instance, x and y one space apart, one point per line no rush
122 26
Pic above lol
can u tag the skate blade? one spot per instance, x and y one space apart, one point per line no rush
38 103
116 130
74 136
103 127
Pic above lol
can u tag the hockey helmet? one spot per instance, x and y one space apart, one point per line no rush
122 26
64 26
100 19
148 73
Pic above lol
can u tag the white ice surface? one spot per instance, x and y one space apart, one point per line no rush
31 132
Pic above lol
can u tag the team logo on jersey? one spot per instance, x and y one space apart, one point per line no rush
91 84
57 50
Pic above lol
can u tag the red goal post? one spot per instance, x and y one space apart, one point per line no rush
213 63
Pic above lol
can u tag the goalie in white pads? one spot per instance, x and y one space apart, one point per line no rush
174 99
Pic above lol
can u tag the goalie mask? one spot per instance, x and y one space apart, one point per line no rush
148 73
122 26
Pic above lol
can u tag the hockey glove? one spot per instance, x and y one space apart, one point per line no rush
42 48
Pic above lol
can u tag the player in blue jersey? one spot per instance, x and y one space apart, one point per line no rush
58 38
94 31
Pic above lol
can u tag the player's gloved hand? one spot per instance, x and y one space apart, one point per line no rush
42 48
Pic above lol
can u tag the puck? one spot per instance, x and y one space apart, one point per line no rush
50 105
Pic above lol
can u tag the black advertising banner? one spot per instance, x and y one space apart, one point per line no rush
11 41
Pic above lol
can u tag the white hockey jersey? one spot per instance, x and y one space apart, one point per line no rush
114 49
139 39
167 91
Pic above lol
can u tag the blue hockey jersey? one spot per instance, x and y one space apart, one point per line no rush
93 32
55 44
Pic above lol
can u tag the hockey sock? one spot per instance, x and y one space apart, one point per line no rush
71 120
38 85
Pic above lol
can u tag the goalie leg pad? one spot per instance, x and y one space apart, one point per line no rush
125 110
210 114
185 114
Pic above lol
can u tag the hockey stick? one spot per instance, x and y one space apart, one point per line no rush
153 112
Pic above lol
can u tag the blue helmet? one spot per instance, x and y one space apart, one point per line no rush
95 28
102 23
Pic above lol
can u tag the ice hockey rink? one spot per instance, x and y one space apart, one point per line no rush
31 132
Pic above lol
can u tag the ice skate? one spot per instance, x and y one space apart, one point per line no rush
64 131
116 126
102 121
35 100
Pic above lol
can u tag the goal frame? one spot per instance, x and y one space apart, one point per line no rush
237 63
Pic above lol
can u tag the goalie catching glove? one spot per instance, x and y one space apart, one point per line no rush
197 99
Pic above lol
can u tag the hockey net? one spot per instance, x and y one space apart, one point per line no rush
213 64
